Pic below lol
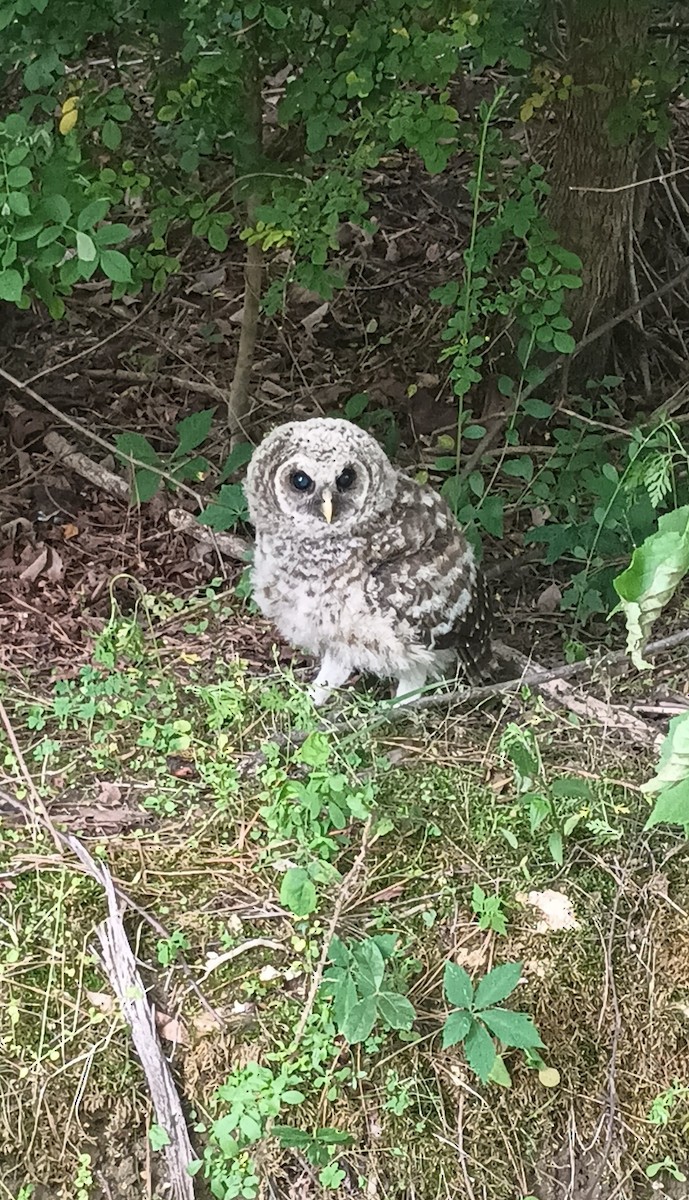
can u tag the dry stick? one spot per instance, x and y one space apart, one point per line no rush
346 888
120 967
203 389
40 812
97 474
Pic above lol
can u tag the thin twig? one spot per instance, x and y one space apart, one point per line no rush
346 888
636 183
60 366
40 813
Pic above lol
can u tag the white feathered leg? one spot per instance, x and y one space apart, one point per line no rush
331 675
410 681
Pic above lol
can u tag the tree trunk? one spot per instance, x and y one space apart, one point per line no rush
605 43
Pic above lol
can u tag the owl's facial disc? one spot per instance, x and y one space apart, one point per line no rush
329 492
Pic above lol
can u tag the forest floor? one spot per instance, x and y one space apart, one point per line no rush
138 686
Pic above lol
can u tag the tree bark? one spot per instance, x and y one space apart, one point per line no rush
605 43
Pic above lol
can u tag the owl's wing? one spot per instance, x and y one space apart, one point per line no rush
427 575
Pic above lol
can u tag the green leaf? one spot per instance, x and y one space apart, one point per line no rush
500 1075
86 248
228 509
572 788
56 208
570 281
316 750
158 1137
18 177
672 806
360 1020
555 846
491 513
236 459
480 1051
456 1027
512 1028
396 1011
519 468
111 235
297 892
538 409
19 204
111 135
137 446
116 266
193 430
370 966
92 214
497 984
656 569
146 484
277 18
673 763
457 986
11 285
217 237
564 343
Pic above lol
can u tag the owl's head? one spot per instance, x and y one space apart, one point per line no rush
323 476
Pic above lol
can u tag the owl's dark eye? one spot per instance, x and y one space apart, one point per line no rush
346 479
301 482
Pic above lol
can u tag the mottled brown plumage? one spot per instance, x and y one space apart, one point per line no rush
360 565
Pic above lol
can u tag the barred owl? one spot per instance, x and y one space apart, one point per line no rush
359 565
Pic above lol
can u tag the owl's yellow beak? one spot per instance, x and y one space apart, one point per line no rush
327 504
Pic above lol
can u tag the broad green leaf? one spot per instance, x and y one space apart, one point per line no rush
370 966
316 750
556 847
338 953
10 285
146 484
657 568
193 430
116 266
111 135
480 1051
228 509
360 1020
672 806
499 1073
457 985
92 214
396 1011
573 788
538 409
111 235
18 177
456 1027
19 204
137 446
56 208
277 18
158 1137
673 763
512 1028
497 984
237 458
86 248
297 892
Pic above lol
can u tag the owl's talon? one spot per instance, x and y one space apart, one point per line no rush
318 695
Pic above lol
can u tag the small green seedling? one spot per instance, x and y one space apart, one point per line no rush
363 995
489 910
476 1021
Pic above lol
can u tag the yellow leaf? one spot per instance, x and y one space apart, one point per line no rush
69 105
526 110
68 122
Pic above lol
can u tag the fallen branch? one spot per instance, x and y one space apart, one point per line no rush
230 544
65 453
203 389
120 967
562 694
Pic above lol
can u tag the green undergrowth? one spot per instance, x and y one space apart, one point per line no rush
238 847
